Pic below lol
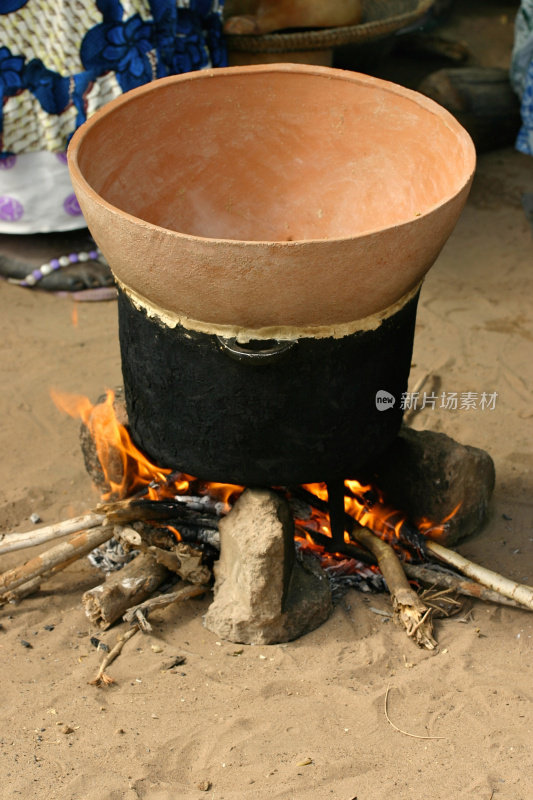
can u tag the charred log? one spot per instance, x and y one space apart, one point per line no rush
135 582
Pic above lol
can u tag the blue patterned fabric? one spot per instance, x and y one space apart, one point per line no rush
6 6
524 141
119 50
522 73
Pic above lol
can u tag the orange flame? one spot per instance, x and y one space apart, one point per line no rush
128 471
125 468
433 530
366 505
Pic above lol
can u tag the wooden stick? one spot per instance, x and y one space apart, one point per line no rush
134 509
18 541
122 511
408 609
65 553
24 590
457 584
518 592
182 558
183 593
101 678
136 581
350 550
416 572
33 585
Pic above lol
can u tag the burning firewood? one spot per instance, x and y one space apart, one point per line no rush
198 524
488 585
135 509
409 610
436 577
167 506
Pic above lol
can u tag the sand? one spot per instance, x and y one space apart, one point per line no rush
305 719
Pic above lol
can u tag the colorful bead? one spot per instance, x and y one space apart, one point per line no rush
58 263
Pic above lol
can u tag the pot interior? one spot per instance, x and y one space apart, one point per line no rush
275 155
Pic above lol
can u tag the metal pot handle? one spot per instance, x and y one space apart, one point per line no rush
256 351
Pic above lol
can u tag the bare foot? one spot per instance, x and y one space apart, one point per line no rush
245 17
68 261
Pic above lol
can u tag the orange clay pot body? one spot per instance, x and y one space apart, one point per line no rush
271 199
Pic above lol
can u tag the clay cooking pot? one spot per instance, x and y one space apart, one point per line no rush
271 196
269 228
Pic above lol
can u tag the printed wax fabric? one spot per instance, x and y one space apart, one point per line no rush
61 60
522 73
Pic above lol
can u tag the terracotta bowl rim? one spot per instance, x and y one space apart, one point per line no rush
305 69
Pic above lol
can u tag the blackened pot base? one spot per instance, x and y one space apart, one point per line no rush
309 413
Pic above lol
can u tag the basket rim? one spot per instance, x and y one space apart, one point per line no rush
327 37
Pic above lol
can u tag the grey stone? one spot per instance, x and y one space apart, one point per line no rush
428 474
263 592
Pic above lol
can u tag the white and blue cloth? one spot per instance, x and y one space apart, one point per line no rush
61 61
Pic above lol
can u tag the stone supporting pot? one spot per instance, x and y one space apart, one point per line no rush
263 593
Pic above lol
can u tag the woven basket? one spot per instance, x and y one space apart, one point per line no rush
380 18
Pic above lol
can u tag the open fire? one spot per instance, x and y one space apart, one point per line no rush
181 526
366 543
127 472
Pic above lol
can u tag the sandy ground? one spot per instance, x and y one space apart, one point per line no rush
305 719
